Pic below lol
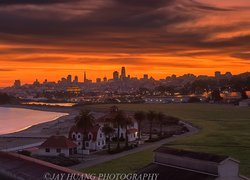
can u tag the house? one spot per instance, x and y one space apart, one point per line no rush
57 145
244 103
95 141
131 130
175 164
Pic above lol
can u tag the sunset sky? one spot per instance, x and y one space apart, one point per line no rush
48 39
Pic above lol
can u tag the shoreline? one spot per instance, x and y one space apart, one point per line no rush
39 132
33 130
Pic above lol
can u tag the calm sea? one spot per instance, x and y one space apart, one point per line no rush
16 119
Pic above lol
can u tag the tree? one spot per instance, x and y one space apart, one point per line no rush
85 121
151 115
160 118
244 95
194 100
108 131
139 116
215 95
118 120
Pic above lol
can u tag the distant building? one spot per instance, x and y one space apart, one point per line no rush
85 77
57 145
75 80
244 103
98 80
145 76
74 90
228 75
17 84
115 75
176 164
36 83
123 73
105 79
69 79
85 80
217 74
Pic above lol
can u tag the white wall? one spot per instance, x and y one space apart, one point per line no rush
52 152
228 170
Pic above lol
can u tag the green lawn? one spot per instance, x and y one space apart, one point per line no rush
225 130
126 164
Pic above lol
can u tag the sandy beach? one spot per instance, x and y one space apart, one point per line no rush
38 133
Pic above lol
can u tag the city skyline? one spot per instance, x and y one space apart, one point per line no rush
53 38
123 74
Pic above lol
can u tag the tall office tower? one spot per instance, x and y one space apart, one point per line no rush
105 79
17 84
76 80
145 76
123 73
228 75
217 74
69 79
116 75
98 80
85 77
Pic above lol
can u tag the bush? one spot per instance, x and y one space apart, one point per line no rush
24 152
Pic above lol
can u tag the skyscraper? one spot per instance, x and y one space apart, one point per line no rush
69 79
105 79
123 73
145 76
17 83
217 74
85 77
116 75
76 80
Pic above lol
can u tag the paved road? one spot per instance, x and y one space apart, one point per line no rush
98 159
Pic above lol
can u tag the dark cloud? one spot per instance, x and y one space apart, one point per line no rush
7 70
39 2
115 26
242 55
207 7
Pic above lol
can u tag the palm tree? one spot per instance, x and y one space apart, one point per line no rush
140 116
85 121
151 115
108 131
160 118
118 121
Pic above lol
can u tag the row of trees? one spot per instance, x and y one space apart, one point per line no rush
5 98
85 120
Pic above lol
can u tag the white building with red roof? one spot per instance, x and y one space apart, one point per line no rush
57 145
96 139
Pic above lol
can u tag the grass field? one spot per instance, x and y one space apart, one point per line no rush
224 129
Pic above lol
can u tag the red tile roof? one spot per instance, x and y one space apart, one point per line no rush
58 142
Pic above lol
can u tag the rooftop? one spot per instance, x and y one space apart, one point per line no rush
58 142
171 173
16 166
191 154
